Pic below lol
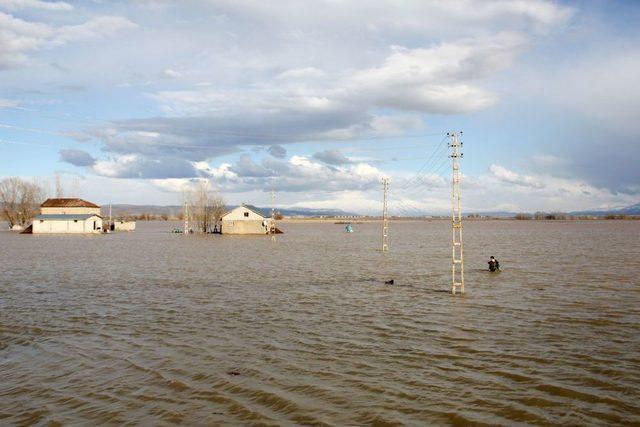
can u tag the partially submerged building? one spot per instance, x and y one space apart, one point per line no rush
62 216
122 225
247 219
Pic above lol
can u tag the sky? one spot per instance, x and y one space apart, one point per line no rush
137 101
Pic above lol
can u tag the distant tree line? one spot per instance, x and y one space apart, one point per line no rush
550 216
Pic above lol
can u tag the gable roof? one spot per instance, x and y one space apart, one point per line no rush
258 211
67 203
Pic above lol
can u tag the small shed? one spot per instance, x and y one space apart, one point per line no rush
246 219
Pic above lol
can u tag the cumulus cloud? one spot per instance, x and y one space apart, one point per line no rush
330 75
438 79
77 157
18 37
205 122
298 174
134 166
507 176
246 167
331 157
277 151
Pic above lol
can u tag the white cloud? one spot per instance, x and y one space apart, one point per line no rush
302 73
14 5
101 26
348 201
136 166
170 73
8 103
438 79
18 37
507 176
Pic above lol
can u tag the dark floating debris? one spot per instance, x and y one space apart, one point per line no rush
389 282
233 373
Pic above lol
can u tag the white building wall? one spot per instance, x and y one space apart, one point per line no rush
49 226
69 211
124 225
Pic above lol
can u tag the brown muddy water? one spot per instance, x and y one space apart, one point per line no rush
155 328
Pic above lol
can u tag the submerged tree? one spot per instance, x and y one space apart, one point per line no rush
206 207
20 200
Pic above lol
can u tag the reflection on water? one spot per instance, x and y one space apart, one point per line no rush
153 327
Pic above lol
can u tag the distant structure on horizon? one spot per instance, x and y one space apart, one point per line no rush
247 219
67 215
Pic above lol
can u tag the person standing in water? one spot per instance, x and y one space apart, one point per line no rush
494 265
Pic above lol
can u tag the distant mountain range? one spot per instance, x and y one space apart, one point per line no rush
172 211
629 210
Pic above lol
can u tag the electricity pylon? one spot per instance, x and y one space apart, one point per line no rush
385 216
457 249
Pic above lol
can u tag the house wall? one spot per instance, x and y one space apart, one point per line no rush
67 226
243 226
238 214
69 211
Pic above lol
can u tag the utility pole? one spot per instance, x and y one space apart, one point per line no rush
457 249
186 219
273 214
59 191
385 215
110 220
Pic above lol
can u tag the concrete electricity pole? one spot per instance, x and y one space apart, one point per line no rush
457 249
273 214
385 216
186 218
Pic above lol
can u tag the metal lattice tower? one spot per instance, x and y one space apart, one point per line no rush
385 216
457 249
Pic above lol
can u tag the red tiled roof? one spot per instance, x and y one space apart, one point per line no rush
67 203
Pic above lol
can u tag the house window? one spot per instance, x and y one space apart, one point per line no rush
246 214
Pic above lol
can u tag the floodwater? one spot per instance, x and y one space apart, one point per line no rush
157 329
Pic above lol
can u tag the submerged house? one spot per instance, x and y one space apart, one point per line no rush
67 216
247 219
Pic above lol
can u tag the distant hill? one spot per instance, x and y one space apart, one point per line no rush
629 210
175 210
